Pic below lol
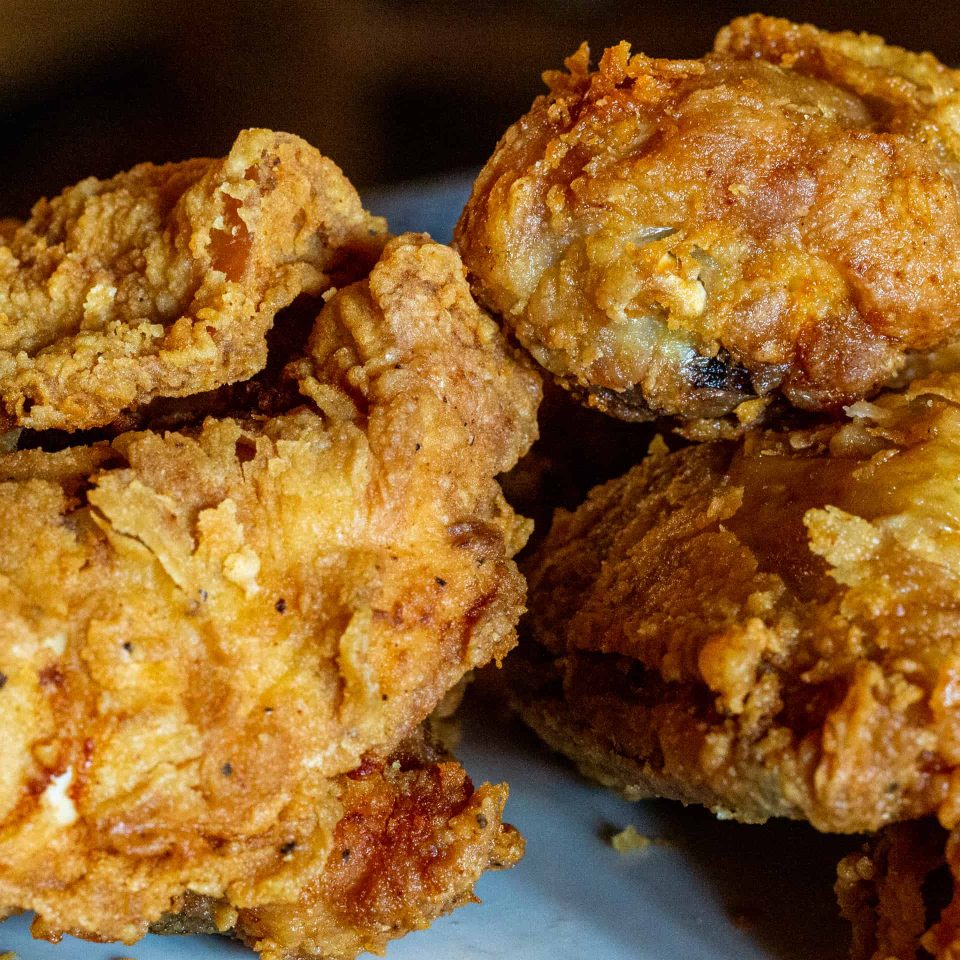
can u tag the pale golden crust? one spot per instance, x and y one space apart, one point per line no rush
164 281
202 631
778 219
769 628
919 96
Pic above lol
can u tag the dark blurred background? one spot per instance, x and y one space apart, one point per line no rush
391 89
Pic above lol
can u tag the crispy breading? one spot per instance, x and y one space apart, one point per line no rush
203 631
898 894
163 281
770 627
413 838
778 222
918 95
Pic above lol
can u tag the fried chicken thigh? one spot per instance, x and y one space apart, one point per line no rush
776 222
217 644
164 281
769 627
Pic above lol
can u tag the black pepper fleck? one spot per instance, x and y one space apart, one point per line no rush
268 709
440 581
3 680
227 769
288 847
281 606
345 855
128 646
482 821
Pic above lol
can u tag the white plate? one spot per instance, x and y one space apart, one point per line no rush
709 891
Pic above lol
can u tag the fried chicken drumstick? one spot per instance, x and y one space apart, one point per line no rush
164 281
779 221
217 644
769 627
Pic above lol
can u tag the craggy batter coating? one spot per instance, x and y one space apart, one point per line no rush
769 627
413 838
164 281
778 219
203 631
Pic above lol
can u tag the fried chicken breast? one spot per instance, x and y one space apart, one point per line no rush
217 644
163 281
769 627
778 221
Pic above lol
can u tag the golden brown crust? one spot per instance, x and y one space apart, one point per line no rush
164 281
769 628
917 93
413 838
780 219
203 631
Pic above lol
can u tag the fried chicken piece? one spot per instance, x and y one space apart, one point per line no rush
770 627
202 632
898 893
777 223
163 281
413 838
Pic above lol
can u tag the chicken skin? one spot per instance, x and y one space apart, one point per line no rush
776 224
413 838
